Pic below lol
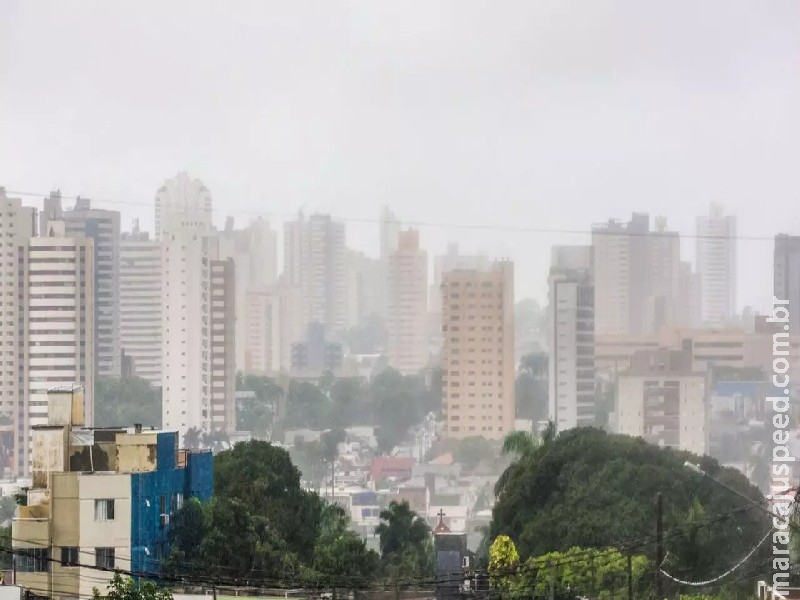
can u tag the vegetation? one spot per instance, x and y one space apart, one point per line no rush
406 543
473 450
261 521
522 445
531 390
590 489
125 401
126 589
256 414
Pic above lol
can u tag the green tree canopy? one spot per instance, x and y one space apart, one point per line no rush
126 401
405 541
591 489
473 450
126 589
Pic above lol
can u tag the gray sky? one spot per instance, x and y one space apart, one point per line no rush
537 113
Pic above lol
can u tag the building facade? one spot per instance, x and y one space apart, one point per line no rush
181 195
478 352
787 276
408 304
571 324
223 345
56 327
103 228
111 511
661 399
716 266
140 304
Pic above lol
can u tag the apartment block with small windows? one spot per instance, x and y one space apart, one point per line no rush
478 351
101 499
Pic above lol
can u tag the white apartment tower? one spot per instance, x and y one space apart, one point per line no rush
716 266
101 226
408 304
140 304
571 338
181 195
315 260
17 226
223 344
56 323
478 352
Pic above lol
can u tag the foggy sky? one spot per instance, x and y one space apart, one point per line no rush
538 113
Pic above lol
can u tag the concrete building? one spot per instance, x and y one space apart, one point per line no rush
56 327
315 261
254 253
195 307
112 511
140 304
315 353
389 235
571 338
620 275
17 226
103 228
716 266
664 278
223 345
662 399
787 276
408 304
478 352
181 195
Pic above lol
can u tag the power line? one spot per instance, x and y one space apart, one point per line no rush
425 224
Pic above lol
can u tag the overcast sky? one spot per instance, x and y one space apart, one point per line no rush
541 114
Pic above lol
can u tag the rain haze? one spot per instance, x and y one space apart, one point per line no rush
512 116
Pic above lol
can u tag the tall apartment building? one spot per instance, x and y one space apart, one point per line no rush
181 195
408 304
478 352
315 260
223 344
661 399
140 304
17 226
620 274
56 327
254 253
787 276
100 498
190 338
101 226
664 277
716 266
571 373
389 234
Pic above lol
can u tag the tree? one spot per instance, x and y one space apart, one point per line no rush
340 554
503 565
350 406
255 414
192 439
330 441
126 401
120 588
591 489
8 506
473 450
397 404
531 387
307 406
405 542
522 445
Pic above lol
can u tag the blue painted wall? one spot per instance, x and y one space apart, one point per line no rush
152 491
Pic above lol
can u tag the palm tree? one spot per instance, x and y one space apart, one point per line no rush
404 540
191 439
522 445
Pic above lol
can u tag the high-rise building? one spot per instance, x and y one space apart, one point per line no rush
664 264
620 274
223 344
17 226
103 228
254 253
408 304
478 351
195 307
688 310
787 276
181 195
716 266
56 326
571 373
140 304
662 399
315 260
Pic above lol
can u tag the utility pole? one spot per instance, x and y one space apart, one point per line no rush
659 545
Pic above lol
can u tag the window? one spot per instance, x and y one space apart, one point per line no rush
33 560
104 510
69 556
104 558
162 509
